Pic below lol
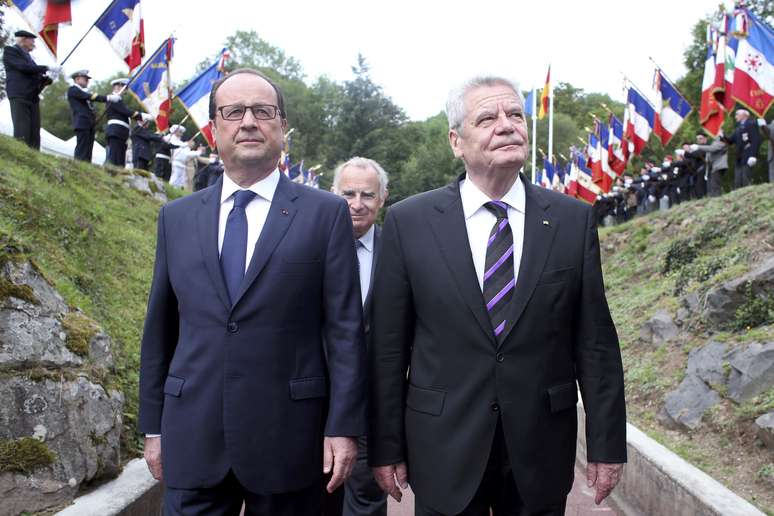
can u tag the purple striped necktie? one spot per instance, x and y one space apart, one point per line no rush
499 278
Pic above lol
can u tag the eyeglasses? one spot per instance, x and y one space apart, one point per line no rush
235 112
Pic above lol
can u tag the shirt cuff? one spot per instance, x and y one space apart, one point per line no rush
152 435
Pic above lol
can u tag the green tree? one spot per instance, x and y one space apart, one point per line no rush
55 111
431 163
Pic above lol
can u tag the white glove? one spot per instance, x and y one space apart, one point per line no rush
655 170
678 190
652 198
694 147
113 98
147 117
762 122
751 161
55 69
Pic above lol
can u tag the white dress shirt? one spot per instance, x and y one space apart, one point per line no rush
479 222
256 210
365 256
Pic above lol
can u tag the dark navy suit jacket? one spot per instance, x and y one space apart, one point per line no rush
24 79
248 386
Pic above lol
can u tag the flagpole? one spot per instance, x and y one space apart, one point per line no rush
87 33
534 133
550 118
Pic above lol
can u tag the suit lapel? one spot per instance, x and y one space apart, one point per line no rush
207 224
448 223
281 213
539 231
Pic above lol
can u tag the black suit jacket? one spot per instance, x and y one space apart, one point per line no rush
118 111
142 142
247 386
430 321
24 79
747 140
81 107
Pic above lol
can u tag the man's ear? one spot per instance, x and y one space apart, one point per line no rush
284 125
456 144
213 131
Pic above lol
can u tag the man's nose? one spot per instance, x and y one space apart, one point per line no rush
356 204
504 123
249 119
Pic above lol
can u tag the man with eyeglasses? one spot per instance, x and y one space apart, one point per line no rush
239 401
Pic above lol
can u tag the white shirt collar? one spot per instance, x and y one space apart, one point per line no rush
81 87
265 188
368 239
473 198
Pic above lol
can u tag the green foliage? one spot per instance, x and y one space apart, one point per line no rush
766 471
24 455
757 310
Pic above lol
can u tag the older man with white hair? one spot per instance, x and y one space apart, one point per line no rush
747 140
474 361
363 183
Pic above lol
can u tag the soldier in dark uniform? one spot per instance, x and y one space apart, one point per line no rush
83 115
24 80
117 130
747 140
142 144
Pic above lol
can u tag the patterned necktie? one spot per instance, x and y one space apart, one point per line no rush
499 276
234 251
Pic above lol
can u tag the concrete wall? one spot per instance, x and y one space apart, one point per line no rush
656 481
133 493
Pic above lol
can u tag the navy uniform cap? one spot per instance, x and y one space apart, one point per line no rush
24 34
80 73
119 82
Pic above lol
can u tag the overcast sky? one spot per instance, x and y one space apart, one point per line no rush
417 50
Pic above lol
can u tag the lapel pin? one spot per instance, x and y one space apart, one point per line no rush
546 223
284 211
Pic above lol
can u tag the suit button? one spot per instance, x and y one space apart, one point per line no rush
495 407
233 327
500 357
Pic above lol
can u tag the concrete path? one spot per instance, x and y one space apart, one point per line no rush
579 503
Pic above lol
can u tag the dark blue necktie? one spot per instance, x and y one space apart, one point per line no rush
234 251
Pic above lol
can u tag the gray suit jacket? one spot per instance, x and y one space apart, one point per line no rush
716 154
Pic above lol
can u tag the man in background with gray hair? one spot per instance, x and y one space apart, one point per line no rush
363 183
474 360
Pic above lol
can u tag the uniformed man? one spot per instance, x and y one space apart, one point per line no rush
162 165
117 129
83 114
142 144
747 140
24 80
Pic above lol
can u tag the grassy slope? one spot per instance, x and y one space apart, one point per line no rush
93 238
649 263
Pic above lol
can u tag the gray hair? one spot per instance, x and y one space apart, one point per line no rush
365 163
455 103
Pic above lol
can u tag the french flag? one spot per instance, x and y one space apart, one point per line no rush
672 109
196 97
617 155
754 66
711 111
44 17
602 174
585 188
640 119
122 25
